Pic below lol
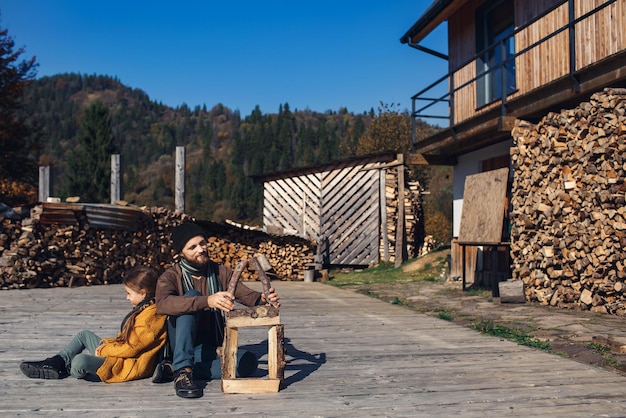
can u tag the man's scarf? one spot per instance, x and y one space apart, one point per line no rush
210 272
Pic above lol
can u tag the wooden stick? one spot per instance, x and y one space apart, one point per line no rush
264 279
234 279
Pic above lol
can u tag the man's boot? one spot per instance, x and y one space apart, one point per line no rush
50 368
184 384
163 372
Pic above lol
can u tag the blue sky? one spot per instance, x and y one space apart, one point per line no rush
319 55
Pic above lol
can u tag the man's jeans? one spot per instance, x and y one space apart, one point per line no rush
202 358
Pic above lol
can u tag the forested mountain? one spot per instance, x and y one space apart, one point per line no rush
223 148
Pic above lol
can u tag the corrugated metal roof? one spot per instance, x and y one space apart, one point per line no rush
101 216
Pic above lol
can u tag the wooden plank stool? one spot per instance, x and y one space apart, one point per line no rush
257 316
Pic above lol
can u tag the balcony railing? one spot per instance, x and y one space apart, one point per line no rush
428 100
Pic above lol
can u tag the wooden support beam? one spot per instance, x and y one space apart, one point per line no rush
429 159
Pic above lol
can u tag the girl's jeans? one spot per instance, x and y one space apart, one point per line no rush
82 365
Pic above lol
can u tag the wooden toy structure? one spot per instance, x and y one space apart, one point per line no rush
257 316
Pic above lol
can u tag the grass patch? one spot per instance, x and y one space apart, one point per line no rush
378 274
370 294
478 292
388 273
605 352
512 334
444 314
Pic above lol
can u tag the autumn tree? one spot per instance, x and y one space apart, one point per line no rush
18 140
89 164
390 130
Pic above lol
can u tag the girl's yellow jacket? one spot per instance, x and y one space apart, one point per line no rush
136 358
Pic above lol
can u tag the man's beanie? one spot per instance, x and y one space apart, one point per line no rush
183 233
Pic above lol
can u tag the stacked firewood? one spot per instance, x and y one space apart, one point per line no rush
569 218
34 254
413 214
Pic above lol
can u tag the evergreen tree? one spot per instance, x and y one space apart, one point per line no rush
18 140
89 164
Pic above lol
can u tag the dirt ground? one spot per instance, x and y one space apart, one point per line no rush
579 335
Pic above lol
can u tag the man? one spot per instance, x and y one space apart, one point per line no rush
191 294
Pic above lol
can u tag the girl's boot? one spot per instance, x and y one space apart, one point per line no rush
50 368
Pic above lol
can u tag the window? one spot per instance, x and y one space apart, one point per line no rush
495 24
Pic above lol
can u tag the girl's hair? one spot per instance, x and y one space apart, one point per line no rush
138 279
142 278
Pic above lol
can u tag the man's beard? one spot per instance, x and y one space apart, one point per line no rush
200 261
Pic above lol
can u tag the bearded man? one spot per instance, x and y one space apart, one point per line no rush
192 294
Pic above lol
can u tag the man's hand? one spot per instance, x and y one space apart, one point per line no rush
271 297
222 300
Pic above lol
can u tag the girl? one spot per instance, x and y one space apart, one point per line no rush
133 354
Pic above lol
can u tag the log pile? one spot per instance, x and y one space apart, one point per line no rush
569 215
413 214
34 254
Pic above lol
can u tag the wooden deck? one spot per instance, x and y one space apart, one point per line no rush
347 355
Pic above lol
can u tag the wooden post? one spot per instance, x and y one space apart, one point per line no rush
179 194
229 353
383 213
44 183
400 233
116 184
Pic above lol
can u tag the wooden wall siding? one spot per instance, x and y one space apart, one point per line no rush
351 215
465 98
597 37
462 47
340 205
547 61
294 204
462 35
527 10
601 35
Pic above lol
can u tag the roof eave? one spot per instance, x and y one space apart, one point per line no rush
437 13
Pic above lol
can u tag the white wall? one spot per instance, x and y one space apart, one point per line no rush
467 165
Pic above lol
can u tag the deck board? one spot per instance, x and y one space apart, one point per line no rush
347 355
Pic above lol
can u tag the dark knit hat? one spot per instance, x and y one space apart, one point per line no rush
183 233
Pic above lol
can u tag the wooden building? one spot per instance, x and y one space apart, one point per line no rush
510 61
350 209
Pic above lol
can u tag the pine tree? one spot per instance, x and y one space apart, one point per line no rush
18 140
89 164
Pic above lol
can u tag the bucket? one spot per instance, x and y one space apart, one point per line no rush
309 275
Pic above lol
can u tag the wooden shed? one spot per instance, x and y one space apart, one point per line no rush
349 208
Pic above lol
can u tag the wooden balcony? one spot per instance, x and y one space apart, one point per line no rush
583 52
